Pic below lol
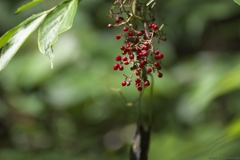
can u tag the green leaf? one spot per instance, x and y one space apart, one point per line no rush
237 1
28 5
59 20
13 39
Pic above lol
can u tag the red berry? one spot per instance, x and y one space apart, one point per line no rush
156 64
115 67
150 26
125 29
149 70
118 36
121 67
124 52
139 88
155 27
124 83
156 52
122 48
138 73
130 33
118 20
137 80
139 33
145 47
161 56
144 53
126 62
146 83
124 58
160 74
131 56
118 58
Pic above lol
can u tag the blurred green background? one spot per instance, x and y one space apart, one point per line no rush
72 112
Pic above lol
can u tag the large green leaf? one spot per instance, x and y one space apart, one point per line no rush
13 40
59 20
28 5
237 1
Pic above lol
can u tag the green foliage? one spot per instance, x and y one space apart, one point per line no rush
237 1
52 23
57 21
28 5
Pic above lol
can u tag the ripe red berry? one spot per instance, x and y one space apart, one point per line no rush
149 70
130 33
116 66
155 27
124 52
145 47
122 48
160 74
126 62
125 29
118 20
124 83
138 73
161 56
156 64
118 58
150 26
131 56
146 83
118 36
124 58
156 52
121 67
144 53
139 33
137 80
139 88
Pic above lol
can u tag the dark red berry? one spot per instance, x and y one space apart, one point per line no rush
156 52
161 56
124 58
118 36
139 33
155 27
130 33
122 48
156 64
125 29
149 70
124 83
131 56
115 67
118 58
138 73
145 47
137 80
118 20
126 62
150 26
160 74
144 53
124 52
146 83
139 88
121 67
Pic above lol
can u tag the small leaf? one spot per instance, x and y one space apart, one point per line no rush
28 5
14 38
237 1
59 20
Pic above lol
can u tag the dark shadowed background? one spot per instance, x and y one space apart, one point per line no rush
74 111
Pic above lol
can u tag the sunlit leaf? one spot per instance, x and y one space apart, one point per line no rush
237 1
28 5
17 36
59 20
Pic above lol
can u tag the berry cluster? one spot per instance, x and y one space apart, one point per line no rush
138 50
